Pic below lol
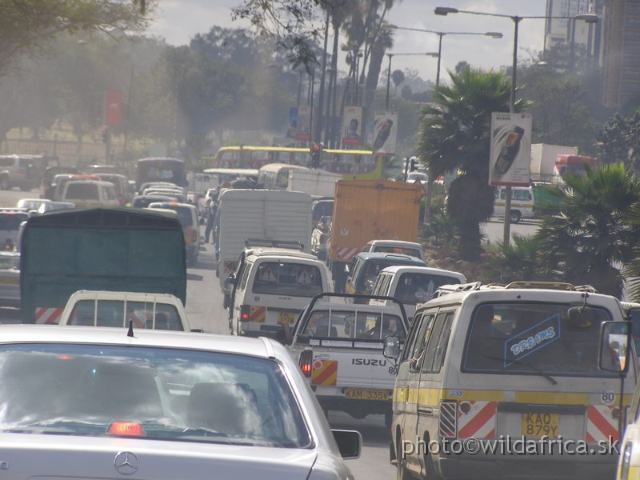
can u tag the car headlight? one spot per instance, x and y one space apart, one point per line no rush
626 461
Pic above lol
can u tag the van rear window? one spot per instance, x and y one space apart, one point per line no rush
537 339
116 313
342 325
414 252
82 191
285 278
414 288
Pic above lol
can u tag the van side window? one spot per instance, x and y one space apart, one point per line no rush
420 341
244 277
438 341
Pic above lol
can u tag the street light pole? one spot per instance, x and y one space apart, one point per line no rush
390 55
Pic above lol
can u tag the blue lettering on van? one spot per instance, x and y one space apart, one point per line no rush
533 341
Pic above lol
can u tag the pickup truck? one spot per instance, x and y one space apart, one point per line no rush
101 308
339 348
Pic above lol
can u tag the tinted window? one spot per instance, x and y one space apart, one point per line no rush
82 191
12 221
293 279
534 339
175 395
414 252
414 288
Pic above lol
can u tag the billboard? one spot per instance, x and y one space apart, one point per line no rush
510 157
385 132
303 123
352 126
113 108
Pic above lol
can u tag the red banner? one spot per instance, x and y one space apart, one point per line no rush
113 108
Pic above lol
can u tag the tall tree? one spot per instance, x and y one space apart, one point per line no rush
593 236
455 136
30 25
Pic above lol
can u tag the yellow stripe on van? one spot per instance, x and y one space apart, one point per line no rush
430 396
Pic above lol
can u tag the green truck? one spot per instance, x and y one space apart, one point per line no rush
116 249
544 202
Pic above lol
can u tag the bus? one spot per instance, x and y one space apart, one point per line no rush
352 164
161 170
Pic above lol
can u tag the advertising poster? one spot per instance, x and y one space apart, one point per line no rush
292 122
303 123
510 158
385 132
352 126
113 107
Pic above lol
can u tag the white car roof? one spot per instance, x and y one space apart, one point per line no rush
417 269
391 243
282 253
256 347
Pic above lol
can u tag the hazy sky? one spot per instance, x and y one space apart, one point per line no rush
179 20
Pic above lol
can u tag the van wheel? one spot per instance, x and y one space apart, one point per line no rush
4 183
401 465
514 216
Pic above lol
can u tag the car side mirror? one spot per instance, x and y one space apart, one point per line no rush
231 280
391 349
615 342
349 443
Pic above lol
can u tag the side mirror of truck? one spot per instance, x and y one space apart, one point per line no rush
391 347
615 342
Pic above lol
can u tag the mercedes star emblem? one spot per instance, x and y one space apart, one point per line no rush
126 463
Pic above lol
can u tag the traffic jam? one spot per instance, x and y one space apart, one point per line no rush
281 249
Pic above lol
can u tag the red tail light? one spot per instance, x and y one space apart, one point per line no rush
244 313
127 429
306 359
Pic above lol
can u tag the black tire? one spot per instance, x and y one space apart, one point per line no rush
4 183
227 301
515 216
25 188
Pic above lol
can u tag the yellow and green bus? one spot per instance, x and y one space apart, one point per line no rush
353 164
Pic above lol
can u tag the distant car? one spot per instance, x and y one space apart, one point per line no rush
395 246
31 204
10 220
53 206
96 402
421 177
188 216
367 265
143 201
10 279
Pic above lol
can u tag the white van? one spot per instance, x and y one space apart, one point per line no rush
272 287
498 380
412 285
521 203
90 193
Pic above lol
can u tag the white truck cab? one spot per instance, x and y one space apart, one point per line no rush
339 347
101 308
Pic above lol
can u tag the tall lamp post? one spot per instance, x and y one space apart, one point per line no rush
442 34
587 17
391 55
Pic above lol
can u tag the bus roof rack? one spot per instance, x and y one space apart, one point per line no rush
551 286
456 287
263 242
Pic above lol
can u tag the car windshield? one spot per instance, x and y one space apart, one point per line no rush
162 394
287 278
553 339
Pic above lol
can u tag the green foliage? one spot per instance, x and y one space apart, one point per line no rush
592 237
520 260
455 135
30 25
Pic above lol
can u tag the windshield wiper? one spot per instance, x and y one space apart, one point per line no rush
526 364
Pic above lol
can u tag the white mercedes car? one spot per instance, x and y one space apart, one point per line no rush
143 404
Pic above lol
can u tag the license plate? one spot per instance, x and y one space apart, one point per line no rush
10 281
362 394
286 317
539 424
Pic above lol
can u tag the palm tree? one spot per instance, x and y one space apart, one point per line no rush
593 237
455 136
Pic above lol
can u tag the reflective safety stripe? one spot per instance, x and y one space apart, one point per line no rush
601 424
257 314
479 421
346 254
325 372
48 315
